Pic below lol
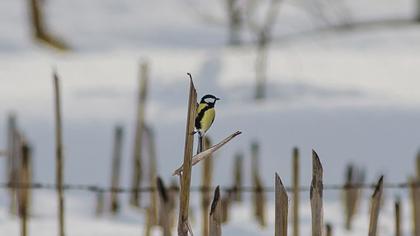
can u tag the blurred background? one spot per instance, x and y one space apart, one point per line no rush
336 76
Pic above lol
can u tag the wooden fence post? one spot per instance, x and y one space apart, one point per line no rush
259 197
59 155
153 175
185 177
206 183
238 177
351 193
316 195
415 205
375 206
215 215
296 193
165 210
138 139
397 208
23 192
13 150
100 198
328 229
281 209
116 166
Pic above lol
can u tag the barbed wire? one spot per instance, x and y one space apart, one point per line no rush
96 188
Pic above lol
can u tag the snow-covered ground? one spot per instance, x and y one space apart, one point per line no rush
352 96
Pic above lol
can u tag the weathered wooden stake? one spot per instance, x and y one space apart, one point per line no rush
165 210
215 215
116 166
328 229
397 208
316 194
153 175
238 177
138 139
351 194
375 205
282 206
23 192
13 149
185 177
415 203
206 183
296 193
59 155
100 198
258 196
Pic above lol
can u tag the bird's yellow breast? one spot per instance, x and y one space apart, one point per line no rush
205 116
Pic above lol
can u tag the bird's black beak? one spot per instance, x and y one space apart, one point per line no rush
217 99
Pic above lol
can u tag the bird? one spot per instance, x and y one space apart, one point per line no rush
205 116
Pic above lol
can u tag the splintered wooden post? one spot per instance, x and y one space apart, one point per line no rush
153 174
59 155
183 224
24 188
415 205
259 198
12 158
316 192
99 203
116 166
215 215
238 177
138 138
328 229
281 209
397 208
206 183
375 205
296 196
165 208
350 196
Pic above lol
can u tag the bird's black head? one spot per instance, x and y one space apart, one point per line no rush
209 99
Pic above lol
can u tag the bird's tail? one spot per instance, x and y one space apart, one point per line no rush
200 142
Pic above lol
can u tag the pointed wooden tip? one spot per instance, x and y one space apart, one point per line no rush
379 186
215 200
316 163
279 185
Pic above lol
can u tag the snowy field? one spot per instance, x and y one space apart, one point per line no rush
352 96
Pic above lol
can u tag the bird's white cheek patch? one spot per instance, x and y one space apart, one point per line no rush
209 100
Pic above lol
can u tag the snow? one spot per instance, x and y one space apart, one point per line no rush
352 96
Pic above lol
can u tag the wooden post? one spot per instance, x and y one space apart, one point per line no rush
153 175
185 177
12 160
328 229
215 215
238 177
23 192
225 203
259 198
138 139
415 203
165 210
397 207
99 203
281 210
59 155
206 183
316 196
116 166
351 194
375 205
296 193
